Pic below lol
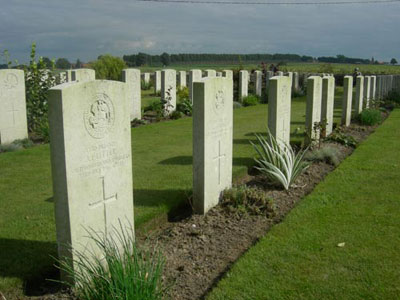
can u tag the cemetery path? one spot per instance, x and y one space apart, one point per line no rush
341 241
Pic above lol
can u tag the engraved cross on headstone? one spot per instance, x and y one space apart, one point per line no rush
13 110
219 157
104 203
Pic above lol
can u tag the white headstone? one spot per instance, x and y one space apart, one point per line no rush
194 75
372 93
182 78
347 100
212 141
228 74
13 122
210 73
313 108
157 82
279 73
168 89
219 74
367 90
91 162
327 104
279 101
132 79
268 75
295 82
258 82
82 75
146 77
359 95
243 84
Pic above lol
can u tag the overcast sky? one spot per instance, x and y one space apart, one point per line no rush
87 28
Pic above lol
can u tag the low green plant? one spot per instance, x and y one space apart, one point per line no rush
185 107
340 137
326 154
278 161
182 93
248 200
108 67
16 145
393 97
175 115
370 117
250 100
145 86
123 272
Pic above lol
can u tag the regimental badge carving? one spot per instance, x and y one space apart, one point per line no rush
219 101
11 81
99 116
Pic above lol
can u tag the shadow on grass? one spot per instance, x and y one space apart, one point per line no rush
32 262
188 160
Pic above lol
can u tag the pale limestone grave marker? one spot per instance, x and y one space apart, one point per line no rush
347 100
372 93
243 84
182 79
210 73
168 89
228 74
279 101
194 75
367 90
327 104
132 78
359 95
81 75
295 82
313 108
13 119
258 83
91 162
157 82
146 77
268 75
212 141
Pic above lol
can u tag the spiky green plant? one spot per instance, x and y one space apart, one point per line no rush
123 271
278 161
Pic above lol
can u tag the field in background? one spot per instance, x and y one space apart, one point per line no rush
299 67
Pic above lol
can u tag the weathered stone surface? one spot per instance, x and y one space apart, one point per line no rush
295 82
157 82
313 108
69 76
194 75
212 141
279 73
268 75
146 77
82 75
279 102
347 100
13 121
132 78
327 104
367 90
243 84
91 162
219 74
258 83
228 74
168 89
182 78
359 95
372 93
210 73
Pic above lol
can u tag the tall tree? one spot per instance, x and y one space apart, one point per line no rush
165 59
63 63
393 61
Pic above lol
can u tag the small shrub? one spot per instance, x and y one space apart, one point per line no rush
137 122
394 97
278 161
326 154
250 100
175 115
236 105
248 200
125 272
185 107
341 138
145 86
370 117
183 94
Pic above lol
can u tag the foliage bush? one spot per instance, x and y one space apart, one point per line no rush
124 272
250 100
38 80
248 200
185 107
393 97
182 94
175 115
370 117
145 86
278 161
340 137
326 154
109 67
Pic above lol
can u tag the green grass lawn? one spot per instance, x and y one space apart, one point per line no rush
357 204
162 179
